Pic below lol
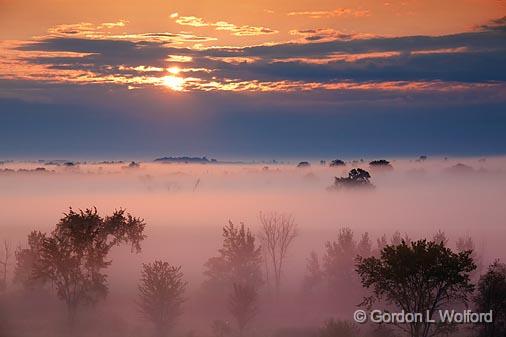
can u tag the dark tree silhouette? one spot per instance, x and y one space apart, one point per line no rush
303 164
337 162
242 305
380 164
491 295
239 260
74 255
161 295
26 258
356 178
420 277
276 235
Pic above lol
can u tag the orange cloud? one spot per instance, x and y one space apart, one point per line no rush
332 13
245 30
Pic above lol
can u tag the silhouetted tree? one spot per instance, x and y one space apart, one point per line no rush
26 259
418 277
338 328
242 305
356 178
337 162
161 295
74 255
303 164
491 295
380 164
276 235
466 243
5 257
239 260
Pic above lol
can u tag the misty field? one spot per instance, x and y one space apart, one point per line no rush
184 209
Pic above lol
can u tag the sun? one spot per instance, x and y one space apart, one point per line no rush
173 81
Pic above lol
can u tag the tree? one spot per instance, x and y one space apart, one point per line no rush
338 328
74 255
239 260
338 268
242 305
420 277
364 246
380 164
314 273
440 237
26 259
161 294
276 235
467 244
491 295
357 178
4 264
337 162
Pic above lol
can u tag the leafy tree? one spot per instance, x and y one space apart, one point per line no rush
467 244
337 162
276 235
491 295
74 255
418 277
339 265
26 258
356 178
381 164
338 328
161 294
239 260
242 305
303 164
364 246
440 237
314 273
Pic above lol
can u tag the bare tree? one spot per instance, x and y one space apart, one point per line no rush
242 305
4 263
161 293
276 235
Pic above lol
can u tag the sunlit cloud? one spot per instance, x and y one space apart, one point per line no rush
327 34
244 30
332 13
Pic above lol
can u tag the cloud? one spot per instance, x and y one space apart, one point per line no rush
332 13
323 59
244 30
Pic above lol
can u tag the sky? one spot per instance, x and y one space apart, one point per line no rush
251 79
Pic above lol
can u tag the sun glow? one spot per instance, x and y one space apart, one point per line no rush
173 82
